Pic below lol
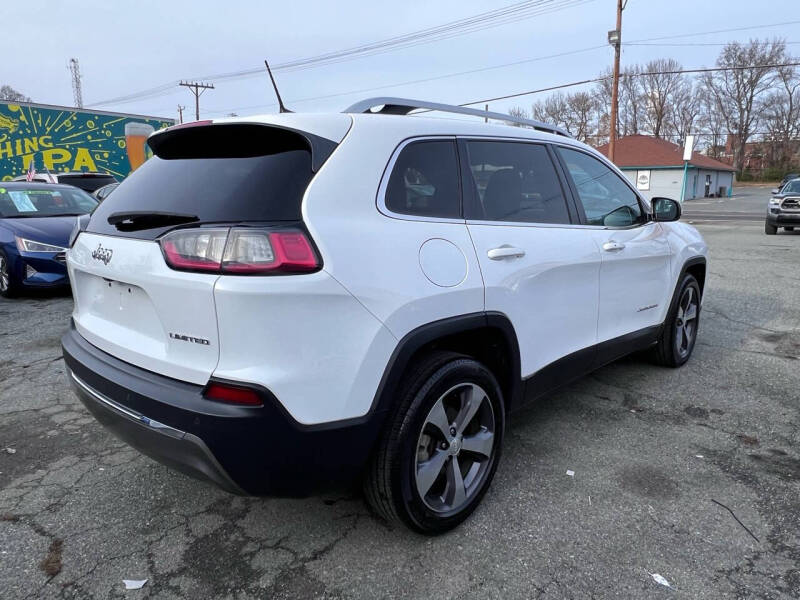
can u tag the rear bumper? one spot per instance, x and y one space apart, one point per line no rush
252 450
180 450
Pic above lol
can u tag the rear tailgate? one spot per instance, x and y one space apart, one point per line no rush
203 178
129 303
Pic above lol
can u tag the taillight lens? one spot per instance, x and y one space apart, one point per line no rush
240 250
232 394
195 249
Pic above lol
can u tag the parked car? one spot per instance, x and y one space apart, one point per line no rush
102 193
283 303
35 224
88 181
788 177
783 209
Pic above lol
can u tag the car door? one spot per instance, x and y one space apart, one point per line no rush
538 268
635 285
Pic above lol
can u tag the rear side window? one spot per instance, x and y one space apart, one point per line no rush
606 198
514 181
424 180
244 174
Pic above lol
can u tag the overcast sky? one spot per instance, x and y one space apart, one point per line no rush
126 47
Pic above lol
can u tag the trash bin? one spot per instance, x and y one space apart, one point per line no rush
723 191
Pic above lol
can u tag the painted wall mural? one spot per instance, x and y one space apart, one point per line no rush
62 139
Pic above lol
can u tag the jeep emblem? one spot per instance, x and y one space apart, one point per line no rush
102 254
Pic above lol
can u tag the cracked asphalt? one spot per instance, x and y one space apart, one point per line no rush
653 451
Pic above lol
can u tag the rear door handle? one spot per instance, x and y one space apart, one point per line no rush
505 252
613 246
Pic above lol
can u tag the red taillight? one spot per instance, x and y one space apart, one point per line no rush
239 250
232 394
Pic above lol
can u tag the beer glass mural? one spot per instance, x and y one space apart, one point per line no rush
62 139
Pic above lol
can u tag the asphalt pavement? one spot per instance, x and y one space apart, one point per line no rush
748 203
690 475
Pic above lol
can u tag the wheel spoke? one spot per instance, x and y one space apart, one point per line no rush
691 313
428 472
438 418
471 399
456 493
480 443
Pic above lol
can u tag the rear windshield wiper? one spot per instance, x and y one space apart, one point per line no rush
148 219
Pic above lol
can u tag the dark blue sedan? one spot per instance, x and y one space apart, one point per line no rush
36 220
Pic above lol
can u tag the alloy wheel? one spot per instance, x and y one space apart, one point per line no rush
4 276
686 321
455 448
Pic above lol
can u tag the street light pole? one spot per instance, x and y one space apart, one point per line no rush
615 39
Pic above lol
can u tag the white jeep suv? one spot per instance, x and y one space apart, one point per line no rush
284 303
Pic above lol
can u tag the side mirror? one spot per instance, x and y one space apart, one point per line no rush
775 192
666 209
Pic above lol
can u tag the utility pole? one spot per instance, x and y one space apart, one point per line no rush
615 39
197 89
180 113
486 119
75 69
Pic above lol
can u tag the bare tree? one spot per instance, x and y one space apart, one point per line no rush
520 113
739 92
660 81
782 116
577 113
554 110
630 100
683 111
12 95
581 115
712 123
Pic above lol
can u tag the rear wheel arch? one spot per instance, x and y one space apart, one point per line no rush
488 337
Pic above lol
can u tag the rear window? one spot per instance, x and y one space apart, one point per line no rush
45 202
249 173
88 183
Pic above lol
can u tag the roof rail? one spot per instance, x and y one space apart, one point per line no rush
403 106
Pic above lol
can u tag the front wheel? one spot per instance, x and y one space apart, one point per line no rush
770 229
7 285
441 447
680 329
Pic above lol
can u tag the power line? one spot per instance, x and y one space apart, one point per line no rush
169 88
596 79
481 21
416 81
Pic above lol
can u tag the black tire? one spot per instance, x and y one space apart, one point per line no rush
789 228
8 287
409 442
770 229
673 350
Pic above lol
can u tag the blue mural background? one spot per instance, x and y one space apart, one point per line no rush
66 139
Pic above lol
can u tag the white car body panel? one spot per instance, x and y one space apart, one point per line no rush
306 339
129 306
634 280
549 294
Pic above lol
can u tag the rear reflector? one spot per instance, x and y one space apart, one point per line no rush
232 394
239 251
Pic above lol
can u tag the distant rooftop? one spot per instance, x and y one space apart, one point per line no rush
646 151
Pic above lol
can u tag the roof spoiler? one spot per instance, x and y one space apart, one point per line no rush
190 136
